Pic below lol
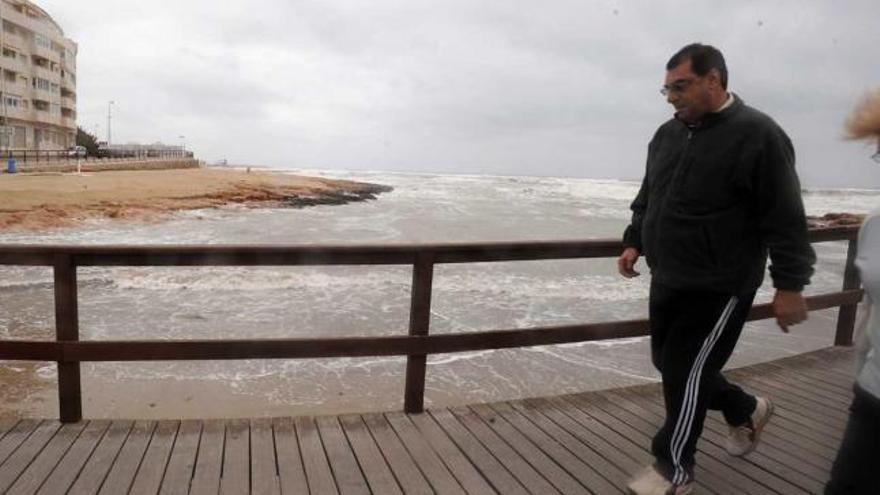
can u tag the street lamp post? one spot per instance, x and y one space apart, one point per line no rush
109 107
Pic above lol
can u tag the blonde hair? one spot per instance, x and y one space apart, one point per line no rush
864 122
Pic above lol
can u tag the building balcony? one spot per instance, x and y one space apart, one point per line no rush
69 122
47 53
19 43
16 88
36 24
17 113
68 65
46 118
46 73
15 65
68 102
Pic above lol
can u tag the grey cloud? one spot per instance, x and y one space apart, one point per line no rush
565 88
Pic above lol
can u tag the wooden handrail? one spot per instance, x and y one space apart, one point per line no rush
402 345
68 351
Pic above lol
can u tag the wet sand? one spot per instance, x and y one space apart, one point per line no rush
43 201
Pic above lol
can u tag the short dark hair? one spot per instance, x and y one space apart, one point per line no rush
703 59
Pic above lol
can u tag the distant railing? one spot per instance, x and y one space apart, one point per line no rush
68 351
25 156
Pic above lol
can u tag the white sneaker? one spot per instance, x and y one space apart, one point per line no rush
650 482
744 438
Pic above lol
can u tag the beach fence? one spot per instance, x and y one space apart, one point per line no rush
63 161
68 351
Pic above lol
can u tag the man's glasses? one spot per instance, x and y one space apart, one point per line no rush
678 87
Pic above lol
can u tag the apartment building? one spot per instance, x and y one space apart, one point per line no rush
38 82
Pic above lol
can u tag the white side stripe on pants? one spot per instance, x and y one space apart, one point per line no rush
689 401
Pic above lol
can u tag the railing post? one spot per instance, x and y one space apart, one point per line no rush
67 329
419 321
846 317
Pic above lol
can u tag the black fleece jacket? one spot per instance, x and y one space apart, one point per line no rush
715 198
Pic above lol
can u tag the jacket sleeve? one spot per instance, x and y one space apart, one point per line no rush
632 236
781 219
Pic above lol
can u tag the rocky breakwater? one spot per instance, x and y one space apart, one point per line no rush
834 220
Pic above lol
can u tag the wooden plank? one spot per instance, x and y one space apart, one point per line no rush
126 465
290 465
6 426
404 468
530 478
236 460
431 465
746 474
465 472
152 469
582 472
615 474
16 463
346 471
15 436
264 475
491 468
707 481
713 443
800 411
75 459
625 436
629 459
50 455
841 395
557 476
773 445
833 410
92 476
179 473
810 381
317 467
209 462
370 459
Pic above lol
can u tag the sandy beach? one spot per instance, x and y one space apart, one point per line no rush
41 201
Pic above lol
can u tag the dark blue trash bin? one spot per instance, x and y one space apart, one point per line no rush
10 165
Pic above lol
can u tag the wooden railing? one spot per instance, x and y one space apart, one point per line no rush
68 351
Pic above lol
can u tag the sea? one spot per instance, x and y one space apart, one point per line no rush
145 303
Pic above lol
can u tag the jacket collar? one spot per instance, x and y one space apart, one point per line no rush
713 118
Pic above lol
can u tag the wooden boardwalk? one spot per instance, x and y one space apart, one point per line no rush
574 444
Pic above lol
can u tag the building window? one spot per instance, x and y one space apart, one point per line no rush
42 41
12 101
40 83
20 137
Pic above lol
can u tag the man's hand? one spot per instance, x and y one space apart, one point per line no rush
789 307
626 262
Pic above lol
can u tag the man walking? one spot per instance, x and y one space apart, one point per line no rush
719 192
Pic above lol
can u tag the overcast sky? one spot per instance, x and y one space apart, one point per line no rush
510 87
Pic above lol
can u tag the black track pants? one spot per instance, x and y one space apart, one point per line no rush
693 334
854 471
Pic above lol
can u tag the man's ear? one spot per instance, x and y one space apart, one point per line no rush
714 77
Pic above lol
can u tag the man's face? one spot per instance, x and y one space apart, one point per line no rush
689 93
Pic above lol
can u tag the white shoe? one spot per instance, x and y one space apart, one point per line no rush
744 438
650 482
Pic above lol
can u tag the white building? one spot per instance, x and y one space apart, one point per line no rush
38 82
